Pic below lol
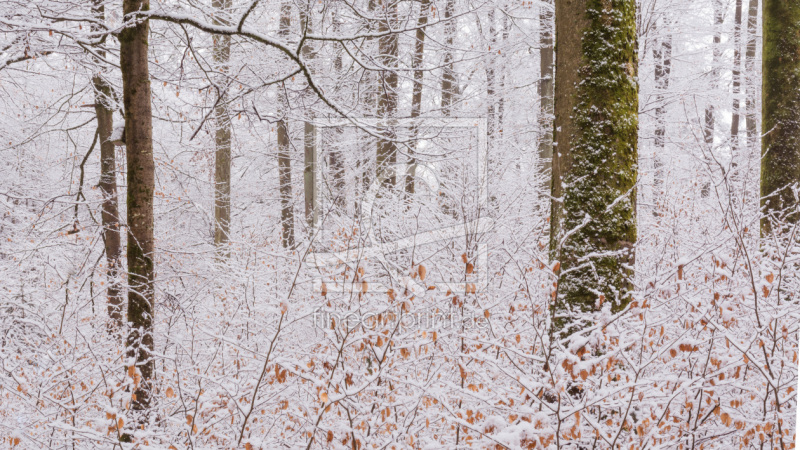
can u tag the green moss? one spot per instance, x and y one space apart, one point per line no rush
597 259
780 166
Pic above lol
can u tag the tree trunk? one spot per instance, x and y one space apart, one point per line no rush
751 122
448 75
108 185
222 138
416 94
336 155
309 133
388 80
780 163
491 81
710 115
546 84
284 148
141 185
737 79
594 167
662 56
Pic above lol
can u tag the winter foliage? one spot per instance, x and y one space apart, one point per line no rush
413 308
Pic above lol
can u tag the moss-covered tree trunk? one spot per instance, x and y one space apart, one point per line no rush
222 137
108 184
780 163
284 147
595 159
141 182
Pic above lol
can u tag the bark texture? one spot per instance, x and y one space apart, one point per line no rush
780 163
710 114
222 136
141 183
546 84
449 87
309 133
416 94
108 186
662 56
737 77
388 84
284 148
751 119
595 160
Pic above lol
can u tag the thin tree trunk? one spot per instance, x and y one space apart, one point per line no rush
416 94
708 132
751 119
737 79
710 115
336 157
309 133
222 138
491 82
369 97
662 55
546 84
780 162
141 185
449 90
387 102
501 102
594 169
108 186
448 74
284 148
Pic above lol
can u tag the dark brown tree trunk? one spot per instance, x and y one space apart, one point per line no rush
222 138
780 162
108 186
284 148
594 166
141 183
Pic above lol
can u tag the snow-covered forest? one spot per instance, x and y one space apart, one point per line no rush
369 224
